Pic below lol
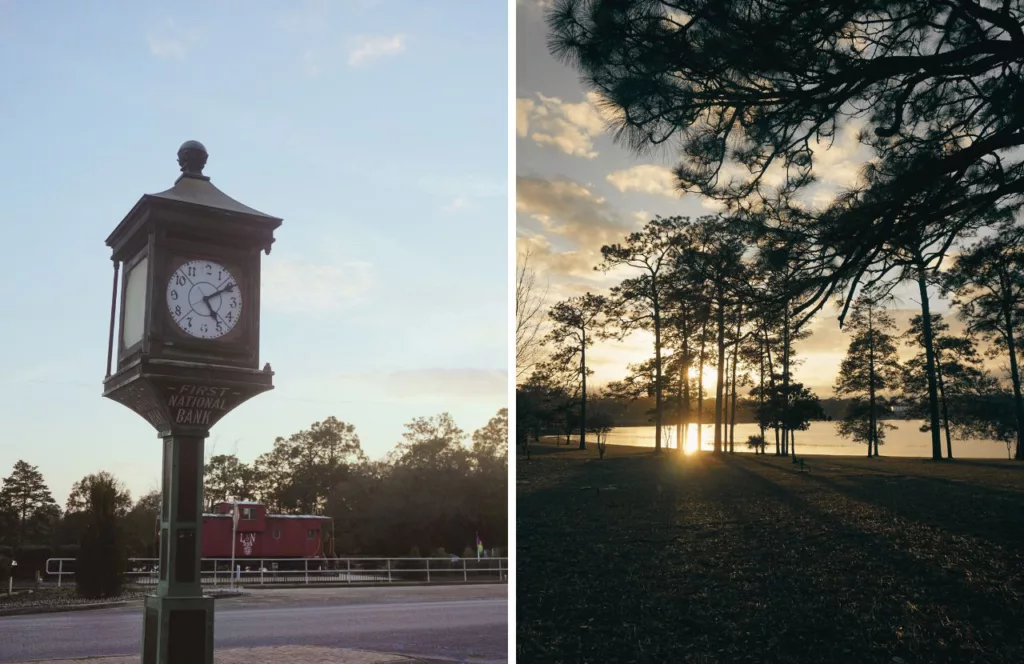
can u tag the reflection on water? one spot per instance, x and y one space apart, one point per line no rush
821 438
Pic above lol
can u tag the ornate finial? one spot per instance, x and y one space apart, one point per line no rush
267 369
192 157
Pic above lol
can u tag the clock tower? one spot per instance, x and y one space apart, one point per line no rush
184 318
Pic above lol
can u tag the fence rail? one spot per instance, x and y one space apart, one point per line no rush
313 571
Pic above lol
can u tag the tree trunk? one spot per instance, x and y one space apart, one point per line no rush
657 366
760 396
679 412
720 369
785 376
945 406
583 398
735 357
700 385
771 387
929 354
686 380
871 384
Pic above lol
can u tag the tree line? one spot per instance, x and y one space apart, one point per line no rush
750 94
434 492
715 293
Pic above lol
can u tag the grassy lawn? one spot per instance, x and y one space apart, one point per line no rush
638 558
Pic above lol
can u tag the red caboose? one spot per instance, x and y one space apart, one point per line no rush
262 535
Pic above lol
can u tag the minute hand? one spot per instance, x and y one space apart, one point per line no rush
206 299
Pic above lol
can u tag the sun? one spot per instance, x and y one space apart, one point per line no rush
710 375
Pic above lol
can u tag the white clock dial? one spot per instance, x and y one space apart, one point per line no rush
204 299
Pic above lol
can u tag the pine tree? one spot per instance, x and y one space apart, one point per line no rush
958 371
26 500
575 323
870 368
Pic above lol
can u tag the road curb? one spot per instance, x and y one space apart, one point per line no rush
28 610
62 608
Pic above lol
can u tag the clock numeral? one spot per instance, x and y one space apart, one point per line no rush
209 269
230 315
180 280
234 303
174 295
220 328
220 275
191 270
189 321
177 310
204 328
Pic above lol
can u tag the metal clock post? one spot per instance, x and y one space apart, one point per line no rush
187 276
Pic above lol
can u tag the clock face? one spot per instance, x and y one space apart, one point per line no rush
204 299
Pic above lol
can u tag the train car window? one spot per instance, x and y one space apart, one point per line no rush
249 513
277 534
311 533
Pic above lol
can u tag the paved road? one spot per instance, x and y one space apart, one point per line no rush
471 629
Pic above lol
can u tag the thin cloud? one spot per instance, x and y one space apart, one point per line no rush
368 48
436 385
456 204
172 42
296 286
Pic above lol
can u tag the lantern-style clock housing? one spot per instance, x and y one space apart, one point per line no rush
187 302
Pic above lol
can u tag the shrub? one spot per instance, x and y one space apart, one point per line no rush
5 571
67 551
101 559
31 559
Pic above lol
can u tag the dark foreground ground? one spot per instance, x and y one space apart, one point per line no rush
637 558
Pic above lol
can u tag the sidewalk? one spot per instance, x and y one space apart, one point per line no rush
268 655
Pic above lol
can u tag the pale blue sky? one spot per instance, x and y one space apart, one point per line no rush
378 131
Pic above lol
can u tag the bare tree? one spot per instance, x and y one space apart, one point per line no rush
529 316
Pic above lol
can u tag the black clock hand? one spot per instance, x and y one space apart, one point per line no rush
206 299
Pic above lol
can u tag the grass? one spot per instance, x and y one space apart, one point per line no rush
644 558
63 596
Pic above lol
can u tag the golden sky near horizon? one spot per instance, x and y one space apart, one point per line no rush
577 190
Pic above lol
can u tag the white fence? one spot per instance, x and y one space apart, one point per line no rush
270 571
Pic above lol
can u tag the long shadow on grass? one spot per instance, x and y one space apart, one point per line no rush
957 607
965 508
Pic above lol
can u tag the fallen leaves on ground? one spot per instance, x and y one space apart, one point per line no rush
745 559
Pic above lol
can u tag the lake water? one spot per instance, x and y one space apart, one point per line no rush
821 438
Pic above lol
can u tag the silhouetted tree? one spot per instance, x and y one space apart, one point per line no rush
958 373
226 478
577 321
25 504
530 301
101 559
639 301
749 90
871 366
301 470
987 284
79 499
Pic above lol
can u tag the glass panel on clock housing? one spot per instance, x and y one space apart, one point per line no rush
135 303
